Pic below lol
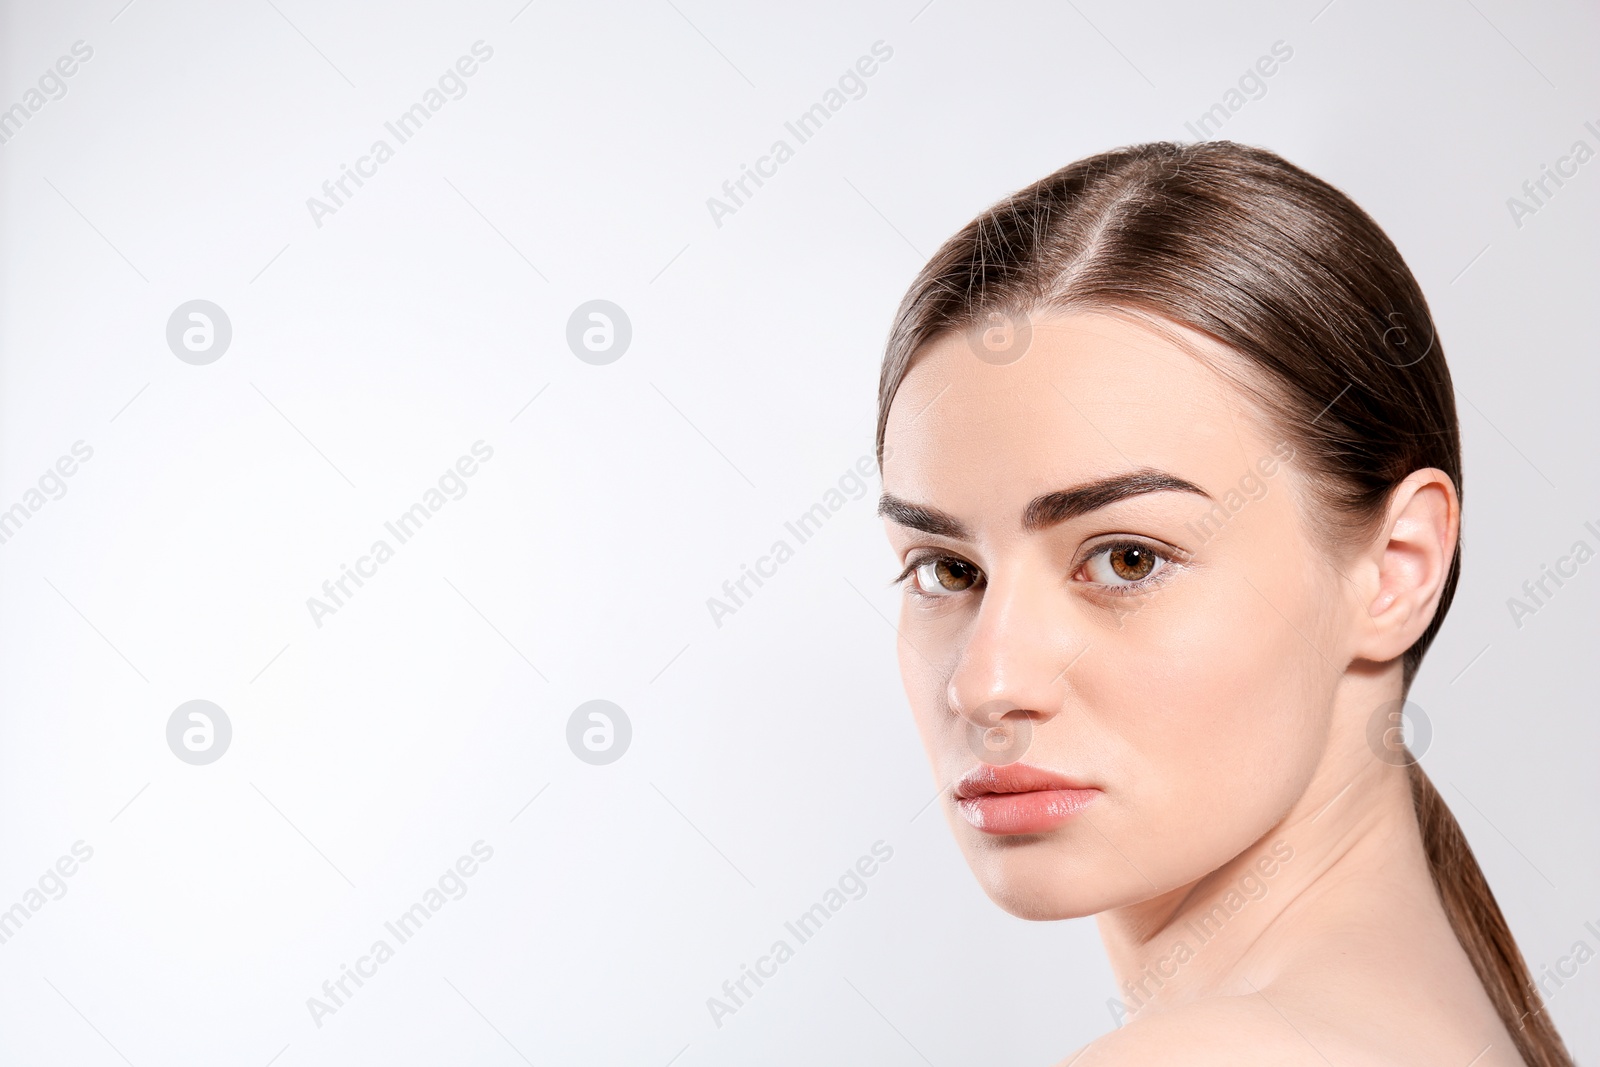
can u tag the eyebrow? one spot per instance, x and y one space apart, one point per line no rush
1043 511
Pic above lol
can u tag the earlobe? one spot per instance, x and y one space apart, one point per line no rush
1412 556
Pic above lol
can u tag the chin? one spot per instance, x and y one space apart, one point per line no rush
1037 878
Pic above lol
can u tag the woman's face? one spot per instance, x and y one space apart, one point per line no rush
1117 634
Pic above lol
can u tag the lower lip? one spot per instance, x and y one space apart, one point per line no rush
1024 813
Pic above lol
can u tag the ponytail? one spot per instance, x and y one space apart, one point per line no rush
1482 930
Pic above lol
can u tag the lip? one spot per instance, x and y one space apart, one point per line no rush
1019 799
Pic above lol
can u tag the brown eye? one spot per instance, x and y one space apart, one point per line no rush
939 577
1131 562
1127 565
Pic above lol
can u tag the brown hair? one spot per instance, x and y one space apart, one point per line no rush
1289 273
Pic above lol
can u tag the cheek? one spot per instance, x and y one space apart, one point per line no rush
1212 711
923 687
931 643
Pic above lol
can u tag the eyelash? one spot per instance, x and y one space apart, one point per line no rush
1167 558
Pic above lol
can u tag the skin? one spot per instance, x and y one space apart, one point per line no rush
1222 707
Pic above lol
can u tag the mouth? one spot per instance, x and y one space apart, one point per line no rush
1019 799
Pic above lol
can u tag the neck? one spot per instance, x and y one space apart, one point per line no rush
1351 838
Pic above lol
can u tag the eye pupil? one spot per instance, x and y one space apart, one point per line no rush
952 574
1132 562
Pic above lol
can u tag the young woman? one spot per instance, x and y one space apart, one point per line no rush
1171 462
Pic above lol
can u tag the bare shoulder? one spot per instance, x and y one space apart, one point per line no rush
1218 1032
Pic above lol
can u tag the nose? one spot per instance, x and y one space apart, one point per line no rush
1012 672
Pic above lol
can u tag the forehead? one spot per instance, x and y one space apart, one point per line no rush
1093 394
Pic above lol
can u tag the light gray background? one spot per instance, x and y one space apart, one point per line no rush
768 754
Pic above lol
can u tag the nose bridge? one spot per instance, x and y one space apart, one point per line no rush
1012 658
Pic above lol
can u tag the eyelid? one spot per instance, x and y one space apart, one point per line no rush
931 556
1100 542
1172 558
917 559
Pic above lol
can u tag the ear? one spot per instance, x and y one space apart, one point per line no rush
1403 570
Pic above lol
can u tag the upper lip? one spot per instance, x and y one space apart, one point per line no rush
985 780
